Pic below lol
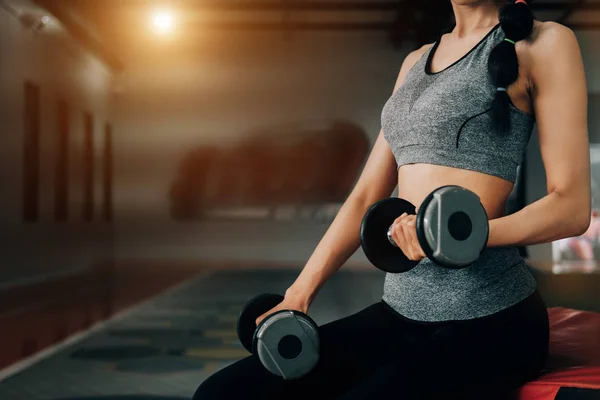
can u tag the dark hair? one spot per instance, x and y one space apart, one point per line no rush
516 20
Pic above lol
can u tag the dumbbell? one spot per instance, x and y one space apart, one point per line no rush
452 228
286 342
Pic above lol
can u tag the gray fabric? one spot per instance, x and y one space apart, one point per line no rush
496 281
443 119
424 117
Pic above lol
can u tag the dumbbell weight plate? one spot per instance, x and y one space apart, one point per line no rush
452 227
287 343
373 235
254 308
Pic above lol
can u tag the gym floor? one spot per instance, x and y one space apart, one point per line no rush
164 347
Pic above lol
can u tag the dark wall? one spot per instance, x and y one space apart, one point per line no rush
172 102
594 117
234 87
54 114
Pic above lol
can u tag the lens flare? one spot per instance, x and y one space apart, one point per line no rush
163 21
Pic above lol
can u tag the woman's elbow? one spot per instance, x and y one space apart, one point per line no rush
583 224
579 214
581 217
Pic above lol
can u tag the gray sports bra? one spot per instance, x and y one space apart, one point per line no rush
443 118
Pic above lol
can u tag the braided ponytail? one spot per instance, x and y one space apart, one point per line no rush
516 20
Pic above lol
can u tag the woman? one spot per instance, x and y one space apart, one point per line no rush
462 113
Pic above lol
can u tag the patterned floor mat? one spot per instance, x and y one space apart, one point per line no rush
164 348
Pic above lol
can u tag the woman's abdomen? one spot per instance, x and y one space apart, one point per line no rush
416 181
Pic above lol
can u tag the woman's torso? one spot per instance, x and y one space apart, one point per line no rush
416 181
439 130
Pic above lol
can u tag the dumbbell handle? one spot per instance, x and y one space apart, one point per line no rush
390 238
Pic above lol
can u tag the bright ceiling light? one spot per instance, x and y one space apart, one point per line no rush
163 21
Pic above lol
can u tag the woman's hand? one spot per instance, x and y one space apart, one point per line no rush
289 303
404 233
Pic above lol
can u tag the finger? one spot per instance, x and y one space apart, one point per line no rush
260 318
407 231
395 236
416 246
400 218
264 315
408 220
404 237
413 248
410 233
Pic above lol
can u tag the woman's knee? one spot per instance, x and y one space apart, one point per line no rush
206 391
244 379
215 387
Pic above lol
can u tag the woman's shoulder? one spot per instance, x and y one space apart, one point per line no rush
409 62
548 38
418 53
414 56
549 42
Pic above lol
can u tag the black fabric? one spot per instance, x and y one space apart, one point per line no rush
377 352
577 394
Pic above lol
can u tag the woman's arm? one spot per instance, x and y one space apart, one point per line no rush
341 240
377 181
559 95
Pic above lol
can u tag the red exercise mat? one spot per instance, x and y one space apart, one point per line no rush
574 360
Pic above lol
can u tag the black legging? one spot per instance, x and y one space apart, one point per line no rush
377 354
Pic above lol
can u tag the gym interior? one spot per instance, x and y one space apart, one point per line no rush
165 161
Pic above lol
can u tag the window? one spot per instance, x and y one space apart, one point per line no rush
107 210
61 183
31 152
88 168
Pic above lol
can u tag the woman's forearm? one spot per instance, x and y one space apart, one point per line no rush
555 216
340 241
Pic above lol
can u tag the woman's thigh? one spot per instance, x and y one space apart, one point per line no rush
486 358
351 349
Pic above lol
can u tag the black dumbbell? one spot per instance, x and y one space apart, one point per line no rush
286 342
452 228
